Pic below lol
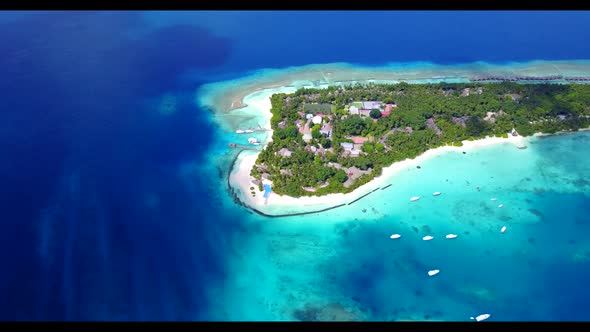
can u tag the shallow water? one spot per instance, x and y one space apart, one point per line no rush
345 256
115 157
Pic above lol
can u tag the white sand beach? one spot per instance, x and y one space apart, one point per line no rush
241 179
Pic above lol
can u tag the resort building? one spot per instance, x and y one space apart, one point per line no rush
358 140
369 105
326 130
365 112
347 146
316 119
285 152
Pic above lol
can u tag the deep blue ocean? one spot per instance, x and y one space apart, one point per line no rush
97 221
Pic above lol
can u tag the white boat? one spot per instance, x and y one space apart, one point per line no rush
252 140
436 193
433 272
492 199
428 238
248 131
481 317
415 198
451 236
501 205
240 131
503 229
395 236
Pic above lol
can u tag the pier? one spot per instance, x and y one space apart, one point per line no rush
252 130
243 147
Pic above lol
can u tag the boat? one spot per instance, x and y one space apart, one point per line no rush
481 317
433 272
501 205
451 236
248 131
436 193
415 198
240 131
428 238
503 229
253 141
492 199
395 236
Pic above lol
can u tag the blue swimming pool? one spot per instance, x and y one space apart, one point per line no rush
267 190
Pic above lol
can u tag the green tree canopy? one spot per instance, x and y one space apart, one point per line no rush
375 113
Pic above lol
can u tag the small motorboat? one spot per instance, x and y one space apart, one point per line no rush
240 131
436 193
503 229
433 272
451 236
415 198
501 206
248 131
252 140
428 238
395 236
492 199
481 317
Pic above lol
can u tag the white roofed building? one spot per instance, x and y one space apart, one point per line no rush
316 119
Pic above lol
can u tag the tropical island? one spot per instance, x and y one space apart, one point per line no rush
336 139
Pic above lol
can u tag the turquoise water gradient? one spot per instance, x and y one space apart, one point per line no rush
342 263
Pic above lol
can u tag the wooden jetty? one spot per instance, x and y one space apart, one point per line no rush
243 147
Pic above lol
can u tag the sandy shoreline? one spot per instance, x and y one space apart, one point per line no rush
241 179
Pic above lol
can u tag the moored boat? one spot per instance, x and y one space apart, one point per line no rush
503 229
433 272
415 198
395 236
428 238
436 193
481 317
451 236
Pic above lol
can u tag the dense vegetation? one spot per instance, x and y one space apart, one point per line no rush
426 116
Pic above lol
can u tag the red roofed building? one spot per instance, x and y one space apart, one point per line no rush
387 110
358 140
